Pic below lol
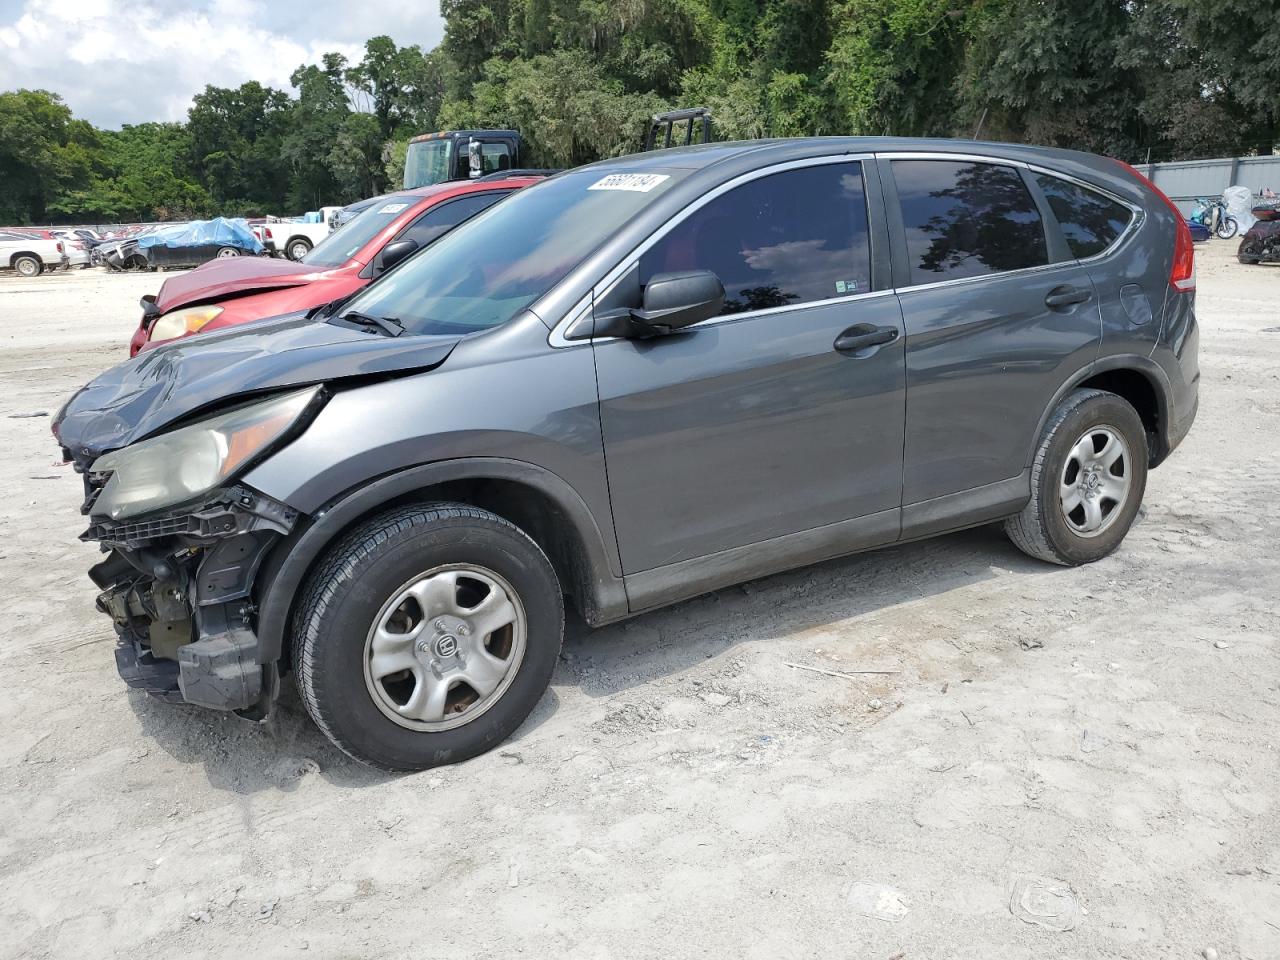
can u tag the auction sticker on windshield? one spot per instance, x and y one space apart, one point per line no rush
393 207
635 182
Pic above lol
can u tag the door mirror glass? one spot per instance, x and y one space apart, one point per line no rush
394 252
475 159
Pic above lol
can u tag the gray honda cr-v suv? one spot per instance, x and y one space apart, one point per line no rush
633 383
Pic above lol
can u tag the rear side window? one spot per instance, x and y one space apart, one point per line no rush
1090 221
787 238
966 219
443 217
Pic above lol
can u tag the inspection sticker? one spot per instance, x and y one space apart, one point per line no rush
392 207
635 182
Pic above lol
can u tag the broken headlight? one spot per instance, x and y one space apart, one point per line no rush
187 462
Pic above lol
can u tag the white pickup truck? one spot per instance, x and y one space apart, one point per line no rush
295 238
30 255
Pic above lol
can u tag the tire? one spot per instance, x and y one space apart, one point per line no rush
357 587
28 266
1227 228
298 248
1048 528
226 253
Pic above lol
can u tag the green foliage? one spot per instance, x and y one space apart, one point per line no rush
580 78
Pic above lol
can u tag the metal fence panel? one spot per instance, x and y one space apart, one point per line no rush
1186 180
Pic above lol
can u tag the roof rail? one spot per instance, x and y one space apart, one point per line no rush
521 172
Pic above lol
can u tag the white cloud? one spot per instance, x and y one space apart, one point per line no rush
143 60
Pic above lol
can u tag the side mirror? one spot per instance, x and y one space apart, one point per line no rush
475 159
672 301
394 252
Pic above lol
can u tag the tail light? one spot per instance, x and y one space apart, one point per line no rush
266 233
1182 276
61 248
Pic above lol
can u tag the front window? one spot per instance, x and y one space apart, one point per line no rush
345 242
427 162
792 237
510 255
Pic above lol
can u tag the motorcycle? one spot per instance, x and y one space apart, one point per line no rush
1261 242
1213 214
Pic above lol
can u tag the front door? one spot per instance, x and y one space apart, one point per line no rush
754 425
998 315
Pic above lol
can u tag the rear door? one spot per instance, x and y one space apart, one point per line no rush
754 425
1130 293
998 314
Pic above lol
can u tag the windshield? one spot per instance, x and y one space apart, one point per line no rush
427 162
485 272
345 242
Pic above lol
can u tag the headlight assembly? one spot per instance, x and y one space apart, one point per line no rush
182 322
187 462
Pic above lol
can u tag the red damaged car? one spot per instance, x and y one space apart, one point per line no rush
225 292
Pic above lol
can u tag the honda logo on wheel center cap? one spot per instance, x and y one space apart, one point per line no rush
447 645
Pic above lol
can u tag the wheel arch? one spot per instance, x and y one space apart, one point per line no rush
537 501
1137 379
17 254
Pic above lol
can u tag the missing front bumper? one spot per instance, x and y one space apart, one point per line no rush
182 603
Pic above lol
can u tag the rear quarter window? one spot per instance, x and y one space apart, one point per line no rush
1090 221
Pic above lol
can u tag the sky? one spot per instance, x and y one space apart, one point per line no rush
145 60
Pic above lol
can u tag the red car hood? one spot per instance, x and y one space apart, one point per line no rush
230 276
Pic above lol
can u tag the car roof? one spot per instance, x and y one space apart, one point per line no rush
740 155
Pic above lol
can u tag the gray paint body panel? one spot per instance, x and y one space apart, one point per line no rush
748 430
744 446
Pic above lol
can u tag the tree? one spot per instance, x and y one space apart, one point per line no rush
43 152
236 136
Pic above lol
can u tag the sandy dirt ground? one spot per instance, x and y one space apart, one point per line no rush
1094 748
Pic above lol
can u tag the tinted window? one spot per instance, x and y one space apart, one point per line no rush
1090 221
967 219
443 217
513 253
790 237
345 242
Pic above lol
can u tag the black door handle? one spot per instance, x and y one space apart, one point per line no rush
1066 296
862 336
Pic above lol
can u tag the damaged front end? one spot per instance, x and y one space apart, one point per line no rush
185 538
178 589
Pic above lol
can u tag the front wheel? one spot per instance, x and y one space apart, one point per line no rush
427 636
1087 481
1227 228
225 253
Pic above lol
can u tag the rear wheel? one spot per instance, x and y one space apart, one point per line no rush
225 253
28 266
1087 481
427 636
298 248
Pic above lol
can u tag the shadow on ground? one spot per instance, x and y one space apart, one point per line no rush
246 758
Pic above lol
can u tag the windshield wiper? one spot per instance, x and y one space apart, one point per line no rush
388 325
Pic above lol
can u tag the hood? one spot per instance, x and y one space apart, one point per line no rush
230 276
161 386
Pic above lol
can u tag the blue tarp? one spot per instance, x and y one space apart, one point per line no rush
219 231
